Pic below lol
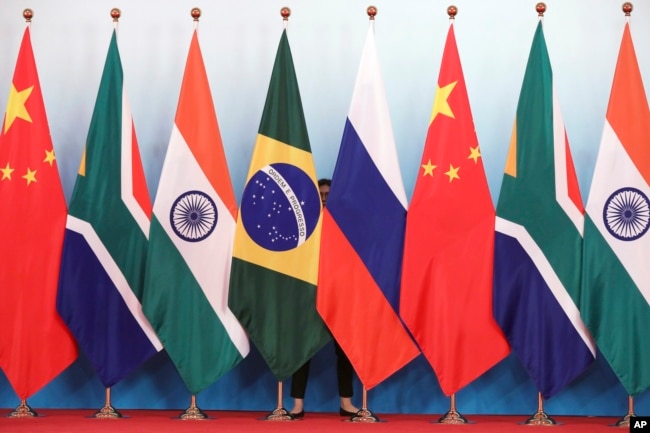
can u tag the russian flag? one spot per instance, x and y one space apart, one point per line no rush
363 235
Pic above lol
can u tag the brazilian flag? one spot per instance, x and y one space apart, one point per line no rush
277 239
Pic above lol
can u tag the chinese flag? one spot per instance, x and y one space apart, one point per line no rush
446 296
35 345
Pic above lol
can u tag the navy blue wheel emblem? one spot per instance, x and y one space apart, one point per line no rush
626 214
193 216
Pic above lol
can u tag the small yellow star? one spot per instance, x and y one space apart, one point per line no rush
16 106
440 104
474 153
6 172
49 157
30 176
453 173
428 168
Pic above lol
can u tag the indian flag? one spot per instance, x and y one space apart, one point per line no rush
615 297
191 240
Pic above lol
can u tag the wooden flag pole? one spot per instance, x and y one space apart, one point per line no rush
280 413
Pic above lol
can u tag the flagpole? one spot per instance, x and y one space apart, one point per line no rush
108 411
540 417
280 413
364 415
452 416
23 410
625 421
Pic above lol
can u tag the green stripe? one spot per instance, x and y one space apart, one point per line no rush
184 320
96 197
283 117
529 199
279 313
615 312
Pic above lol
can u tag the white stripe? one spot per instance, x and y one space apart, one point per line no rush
550 277
126 169
561 161
614 170
210 259
115 274
370 117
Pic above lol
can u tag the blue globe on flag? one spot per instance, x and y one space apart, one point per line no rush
280 207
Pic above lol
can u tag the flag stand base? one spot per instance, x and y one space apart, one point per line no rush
280 414
193 412
365 416
452 416
540 417
107 411
625 421
23 411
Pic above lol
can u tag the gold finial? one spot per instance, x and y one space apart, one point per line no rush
286 13
540 8
372 12
28 14
196 13
627 8
452 11
116 14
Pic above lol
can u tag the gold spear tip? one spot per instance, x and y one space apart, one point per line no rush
540 8
452 11
286 13
627 8
116 13
28 14
196 13
372 12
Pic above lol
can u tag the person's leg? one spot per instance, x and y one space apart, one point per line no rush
344 372
298 388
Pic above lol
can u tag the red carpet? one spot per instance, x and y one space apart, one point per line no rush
155 421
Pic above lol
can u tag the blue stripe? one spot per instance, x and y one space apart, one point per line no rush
96 314
537 328
370 216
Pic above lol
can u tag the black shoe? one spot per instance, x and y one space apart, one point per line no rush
298 415
344 412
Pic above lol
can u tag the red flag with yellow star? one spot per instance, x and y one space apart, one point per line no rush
446 296
35 345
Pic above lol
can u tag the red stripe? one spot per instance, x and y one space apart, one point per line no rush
357 313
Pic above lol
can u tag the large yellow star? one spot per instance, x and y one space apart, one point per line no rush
6 172
453 173
440 104
49 157
428 168
474 153
16 106
30 176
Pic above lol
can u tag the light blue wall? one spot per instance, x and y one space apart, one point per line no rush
239 40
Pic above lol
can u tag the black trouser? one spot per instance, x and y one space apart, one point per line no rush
344 373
